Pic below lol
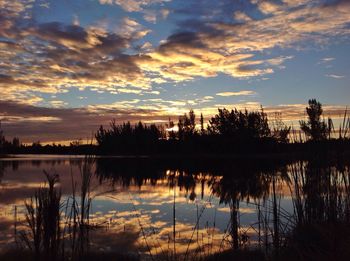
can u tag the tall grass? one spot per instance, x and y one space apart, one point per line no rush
344 128
43 218
78 215
59 229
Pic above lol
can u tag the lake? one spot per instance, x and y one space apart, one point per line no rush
174 207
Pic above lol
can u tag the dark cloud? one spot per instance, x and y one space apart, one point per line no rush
56 30
181 39
6 79
78 38
208 9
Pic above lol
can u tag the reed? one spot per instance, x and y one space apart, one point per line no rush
53 223
43 219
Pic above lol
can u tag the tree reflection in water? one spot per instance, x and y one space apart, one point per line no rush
292 205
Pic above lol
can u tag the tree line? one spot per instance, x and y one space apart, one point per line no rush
228 131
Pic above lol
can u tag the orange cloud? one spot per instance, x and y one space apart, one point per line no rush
240 93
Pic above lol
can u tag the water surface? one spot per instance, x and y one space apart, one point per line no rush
157 207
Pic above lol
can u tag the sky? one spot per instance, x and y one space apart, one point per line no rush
67 67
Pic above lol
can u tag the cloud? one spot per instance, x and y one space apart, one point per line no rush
28 121
268 7
240 93
295 3
48 58
184 56
210 48
164 13
241 16
327 59
147 46
76 21
327 62
287 26
279 60
131 29
133 5
58 103
335 76
104 2
10 13
60 56
150 16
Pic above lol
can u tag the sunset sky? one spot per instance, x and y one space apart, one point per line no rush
68 66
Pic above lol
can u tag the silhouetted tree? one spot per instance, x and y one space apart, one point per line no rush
280 130
314 127
180 126
238 124
36 144
2 139
100 135
170 129
76 143
125 137
187 125
15 142
202 124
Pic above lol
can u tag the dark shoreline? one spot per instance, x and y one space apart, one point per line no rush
198 159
